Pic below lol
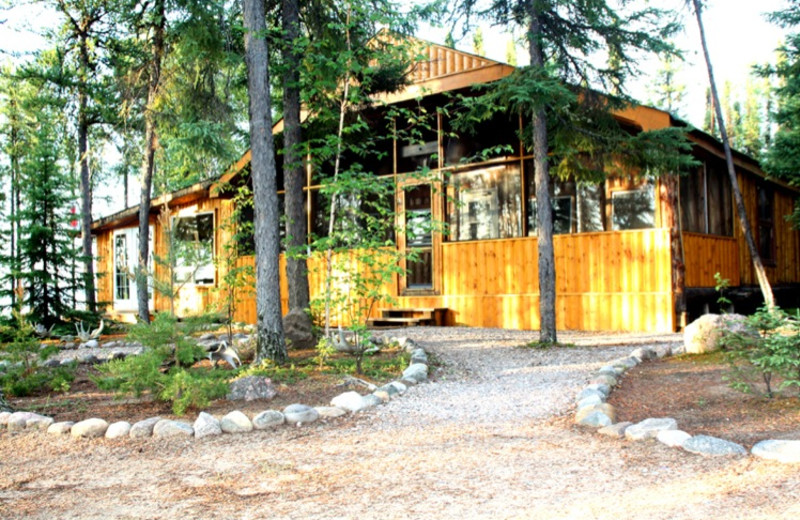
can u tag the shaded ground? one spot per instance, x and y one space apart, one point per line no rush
692 390
490 438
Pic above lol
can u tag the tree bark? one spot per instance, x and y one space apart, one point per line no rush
758 265
85 180
544 214
270 342
148 165
293 171
669 187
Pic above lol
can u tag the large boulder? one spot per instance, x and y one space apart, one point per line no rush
250 388
89 428
297 328
704 333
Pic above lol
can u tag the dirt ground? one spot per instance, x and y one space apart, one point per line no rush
491 437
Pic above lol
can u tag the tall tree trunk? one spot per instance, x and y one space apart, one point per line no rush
270 342
544 214
14 253
669 187
758 265
148 164
293 171
86 183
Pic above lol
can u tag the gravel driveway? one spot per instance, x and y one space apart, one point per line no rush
491 437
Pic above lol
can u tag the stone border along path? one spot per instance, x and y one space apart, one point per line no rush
234 422
594 412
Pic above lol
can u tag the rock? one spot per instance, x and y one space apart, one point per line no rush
4 418
144 428
672 438
625 363
593 419
236 422
787 452
600 387
604 379
354 382
616 430
68 361
52 363
118 429
39 422
330 412
712 446
591 400
117 354
300 414
663 351
383 395
612 370
591 411
649 428
268 419
166 428
643 353
69 345
389 389
416 372
207 337
90 428
371 401
297 328
92 343
591 392
17 421
350 401
88 359
60 428
419 356
408 382
704 333
206 425
400 387
250 388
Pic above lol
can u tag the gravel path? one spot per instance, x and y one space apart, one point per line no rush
489 438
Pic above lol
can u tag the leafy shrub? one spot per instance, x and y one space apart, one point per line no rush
775 351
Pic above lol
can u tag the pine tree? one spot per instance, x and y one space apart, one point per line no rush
563 40
668 93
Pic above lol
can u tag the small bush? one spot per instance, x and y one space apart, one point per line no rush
775 351
165 367
25 374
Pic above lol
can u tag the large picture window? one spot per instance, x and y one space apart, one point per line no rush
194 241
484 204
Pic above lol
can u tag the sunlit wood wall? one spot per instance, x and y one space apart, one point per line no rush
706 255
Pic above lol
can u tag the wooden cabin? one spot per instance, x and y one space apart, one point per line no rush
625 249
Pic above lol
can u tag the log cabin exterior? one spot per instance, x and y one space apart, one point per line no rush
625 249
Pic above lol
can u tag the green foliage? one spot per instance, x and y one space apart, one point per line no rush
165 367
775 351
782 158
25 373
721 285
325 350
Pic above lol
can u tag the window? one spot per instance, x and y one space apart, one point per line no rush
485 203
194 243
591 204
706 201
562 200
126 252
766 223
634 209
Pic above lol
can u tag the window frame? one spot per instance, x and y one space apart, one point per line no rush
648 185
193 281
131 235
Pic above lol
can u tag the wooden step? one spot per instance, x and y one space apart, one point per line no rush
396 322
